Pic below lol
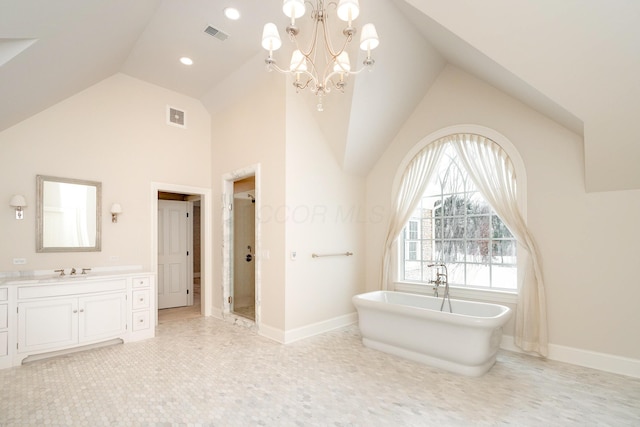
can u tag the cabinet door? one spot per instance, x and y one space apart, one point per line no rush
47 325
102 317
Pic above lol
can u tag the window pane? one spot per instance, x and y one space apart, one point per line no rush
505 277
428 250
478 205
478 251
453 228
456 274
412 251
478 227
413 230
503 252
452 205
453 178
430 203
479 275
450 251
412 270
500 231
427 228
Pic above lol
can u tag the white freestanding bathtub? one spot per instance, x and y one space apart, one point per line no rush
412 326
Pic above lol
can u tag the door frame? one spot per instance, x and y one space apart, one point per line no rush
227 238
206 258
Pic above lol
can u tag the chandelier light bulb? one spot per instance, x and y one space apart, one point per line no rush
270 37
369 38
348 10
293 9
298 62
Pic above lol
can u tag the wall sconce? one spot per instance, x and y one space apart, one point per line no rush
18 201
115 210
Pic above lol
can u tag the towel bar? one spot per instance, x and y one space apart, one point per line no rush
323 255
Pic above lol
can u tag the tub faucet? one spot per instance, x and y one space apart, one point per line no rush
441 279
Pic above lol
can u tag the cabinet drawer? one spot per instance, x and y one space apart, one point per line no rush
4 344
140 299
79 288
140 321
140 282
4 316
4 292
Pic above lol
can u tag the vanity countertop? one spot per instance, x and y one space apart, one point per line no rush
53 278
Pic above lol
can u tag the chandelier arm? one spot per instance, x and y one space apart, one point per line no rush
314 39
274 66
364 67
311 78
327 40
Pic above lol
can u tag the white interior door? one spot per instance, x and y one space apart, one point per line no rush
172 254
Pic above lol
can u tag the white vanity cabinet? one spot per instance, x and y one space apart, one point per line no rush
4 327
38 317
143 312
62 322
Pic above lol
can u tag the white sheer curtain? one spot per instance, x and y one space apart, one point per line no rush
414 181
491 170
493 173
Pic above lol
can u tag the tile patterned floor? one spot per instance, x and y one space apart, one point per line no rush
180 313
208 372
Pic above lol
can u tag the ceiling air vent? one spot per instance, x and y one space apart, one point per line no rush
214 32
176 117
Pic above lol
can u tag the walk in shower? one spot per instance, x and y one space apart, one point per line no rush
243 295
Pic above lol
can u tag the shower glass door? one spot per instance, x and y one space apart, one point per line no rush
243 302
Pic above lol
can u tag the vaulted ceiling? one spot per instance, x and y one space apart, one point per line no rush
576 61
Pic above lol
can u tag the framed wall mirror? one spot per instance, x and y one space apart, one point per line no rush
68 215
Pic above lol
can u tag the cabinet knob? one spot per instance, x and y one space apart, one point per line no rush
75 311
141 299
141 320
82 310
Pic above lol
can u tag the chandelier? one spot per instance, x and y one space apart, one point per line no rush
318 69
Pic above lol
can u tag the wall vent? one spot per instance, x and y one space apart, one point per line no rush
214 32
176 117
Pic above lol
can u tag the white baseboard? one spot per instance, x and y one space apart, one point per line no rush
588 359
271 333
287 337
320 327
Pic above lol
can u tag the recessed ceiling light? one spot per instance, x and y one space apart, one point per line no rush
186 61
232 13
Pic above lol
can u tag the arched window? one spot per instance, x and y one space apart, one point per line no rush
494 171
455 225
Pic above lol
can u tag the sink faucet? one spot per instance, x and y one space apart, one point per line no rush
61 271
441 279
73 272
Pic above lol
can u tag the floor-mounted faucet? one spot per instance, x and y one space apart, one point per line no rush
441 279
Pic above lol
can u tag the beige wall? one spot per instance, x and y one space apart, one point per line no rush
324 214
250 132
588 242
114 132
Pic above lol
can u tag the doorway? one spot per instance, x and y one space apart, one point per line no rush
243 293
199 242
175 251
241 262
